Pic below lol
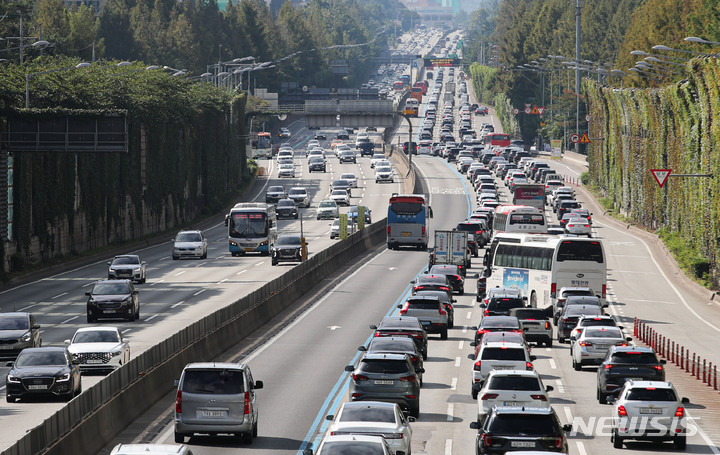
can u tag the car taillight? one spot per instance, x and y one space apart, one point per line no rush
608 366
404 309
393 436
489 396
528 365
553 290
477 365
604 290
658 367
547 325
359 377
413 358
621 343
388 230
585 343
486 312
486 440
412 397
423 231
559 441
539 397
443 312
178 402
444 288
622 412
680 412
246 408
411 378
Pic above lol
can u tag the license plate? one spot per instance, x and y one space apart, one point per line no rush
503 367
650 411
247 250
6 346
38 387
425 322
512 403
602 346
383 382
108 311
94 361
211 413
406 234
522 444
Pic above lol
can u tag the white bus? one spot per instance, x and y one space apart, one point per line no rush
520 219
252 228
539 265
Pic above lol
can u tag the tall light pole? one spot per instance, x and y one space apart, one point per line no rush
577 72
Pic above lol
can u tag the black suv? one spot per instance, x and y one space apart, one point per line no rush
403 326
287 248
510 429
500 305
286 208
455 273
366 148
396 345
569 317
627 362
113 299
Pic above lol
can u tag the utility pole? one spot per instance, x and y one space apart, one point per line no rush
577 72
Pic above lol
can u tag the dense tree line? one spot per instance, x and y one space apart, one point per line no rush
194 34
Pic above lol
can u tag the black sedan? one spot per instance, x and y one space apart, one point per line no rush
113 299
43 372
286 208
287 248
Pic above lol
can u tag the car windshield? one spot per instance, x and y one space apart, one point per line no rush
339 193
651 394
99 336
514 383
578 310
442 295
503 353
529 313
384 169
423 304
340 183
499 322
391 345
188 237
37 358
368 413
288 240
505 304
286 203
603 333
110 288
19 322
523 425
383 366
218 382
327 204
123 260
348 176
635 357
351 447
276 189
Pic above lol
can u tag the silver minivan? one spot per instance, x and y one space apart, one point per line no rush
216 398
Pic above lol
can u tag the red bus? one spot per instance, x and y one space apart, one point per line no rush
497 139
423 86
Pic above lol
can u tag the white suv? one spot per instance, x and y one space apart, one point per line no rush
649 410
498 356
512 388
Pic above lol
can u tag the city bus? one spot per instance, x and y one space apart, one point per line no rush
398 86
540 265
262 145
411 107
497 139
407 221
252 228
520 219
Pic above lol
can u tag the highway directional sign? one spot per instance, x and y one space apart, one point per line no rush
661 175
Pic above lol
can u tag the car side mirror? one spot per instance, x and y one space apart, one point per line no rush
663 361
685 400
621 327
628 339
399 452
477 275
482 305
533 358
471 356
67 342
611 399
109 263
399 306
454 300
473 327
606 305
75 362
87 292
307 451
567 427
362 349
176 382
420 370
549 388
136 292
349 368
473 344
374 327
258 385
35 326
413 282
474 425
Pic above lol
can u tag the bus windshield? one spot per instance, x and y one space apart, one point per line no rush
406 209
248 225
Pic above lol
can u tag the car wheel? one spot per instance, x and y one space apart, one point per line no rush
576 366
175 258
424 354
296 216
561 340
90 319
474 394
451 323
617 440
549 343
475 253
415 412
254 430
462 291
179 438
10 399
131 318
79 389
274 262
602 398
137 313
443 334
204 256
680 442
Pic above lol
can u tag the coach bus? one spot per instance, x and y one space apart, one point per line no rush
262 145
540 265
520 219
252 228
411 107
407 221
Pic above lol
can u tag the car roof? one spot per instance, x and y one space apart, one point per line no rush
522 410
215 366
432 298
499 319
531 373
385 356
399 322
97 329
655 384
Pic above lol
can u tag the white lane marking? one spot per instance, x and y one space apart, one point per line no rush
450 409
241 271
201 264
704 435
581 448
465 329
448 447
552 363
151 317
453 384
548 349
86 285
651 301
457 361
180 273
568 413
461 344
222 281
199 292
625 272
27 307
59 295
156 282
560 386
177 304
469 315
259 264
68 320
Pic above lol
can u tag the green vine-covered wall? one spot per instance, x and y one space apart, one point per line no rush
675 127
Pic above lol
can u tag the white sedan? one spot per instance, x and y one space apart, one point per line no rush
374 417
286 170
578 226
593 344
99 348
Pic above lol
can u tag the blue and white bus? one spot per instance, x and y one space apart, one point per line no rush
252 228
407 221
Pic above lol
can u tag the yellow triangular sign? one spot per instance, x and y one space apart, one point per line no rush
535 110
584 139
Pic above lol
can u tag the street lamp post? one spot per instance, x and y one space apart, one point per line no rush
31 75
577 72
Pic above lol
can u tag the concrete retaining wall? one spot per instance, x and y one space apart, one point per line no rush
88 422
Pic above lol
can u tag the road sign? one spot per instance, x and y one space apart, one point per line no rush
516 111
587 118
661 175
528 105
528 110
584 139
540 110
574 138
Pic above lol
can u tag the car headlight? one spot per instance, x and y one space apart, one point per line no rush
25 338
115 353
137 270
127 300
13 379
232 243
63 377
